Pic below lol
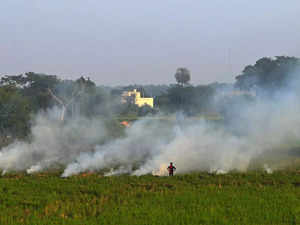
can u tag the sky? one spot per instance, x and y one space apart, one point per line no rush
143 42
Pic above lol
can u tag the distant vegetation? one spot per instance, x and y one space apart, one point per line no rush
269 75
23 96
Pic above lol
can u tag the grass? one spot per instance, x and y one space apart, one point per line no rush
198 198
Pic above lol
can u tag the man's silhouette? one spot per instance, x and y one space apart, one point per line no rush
171 169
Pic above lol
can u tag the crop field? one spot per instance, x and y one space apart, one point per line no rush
198 198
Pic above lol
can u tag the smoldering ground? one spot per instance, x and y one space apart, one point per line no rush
52 144
263 127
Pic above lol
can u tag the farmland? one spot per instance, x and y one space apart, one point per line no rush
254 197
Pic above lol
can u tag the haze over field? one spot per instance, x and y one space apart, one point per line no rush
252 128
117 42
149 112
69 120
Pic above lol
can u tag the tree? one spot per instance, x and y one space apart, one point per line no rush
34 86
44 91
268 74
182 76
76 97
189 99
14 112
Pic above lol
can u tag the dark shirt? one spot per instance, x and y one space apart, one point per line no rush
171 168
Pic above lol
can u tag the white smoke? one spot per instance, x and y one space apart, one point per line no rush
197 146
53 144
161 171
269 126
150 144
268 169
142 142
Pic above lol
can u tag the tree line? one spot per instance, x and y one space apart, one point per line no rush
23 96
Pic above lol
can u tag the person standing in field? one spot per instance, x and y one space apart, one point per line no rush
171 169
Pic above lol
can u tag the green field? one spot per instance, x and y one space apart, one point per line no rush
198 198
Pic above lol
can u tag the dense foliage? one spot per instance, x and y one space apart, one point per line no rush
182 76
189 99
23 96
268 74
14 112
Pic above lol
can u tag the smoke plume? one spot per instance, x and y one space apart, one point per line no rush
262 128
53 144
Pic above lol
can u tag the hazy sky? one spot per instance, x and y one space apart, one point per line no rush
136 41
